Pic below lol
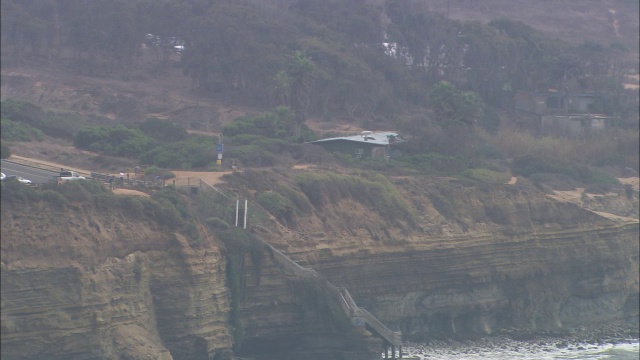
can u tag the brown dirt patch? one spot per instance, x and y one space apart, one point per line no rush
130 192
211 177
633 181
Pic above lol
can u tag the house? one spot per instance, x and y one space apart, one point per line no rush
365 145
574 124
553 102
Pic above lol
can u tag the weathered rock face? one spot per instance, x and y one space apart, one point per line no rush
482 260
94 283
85 283
286 317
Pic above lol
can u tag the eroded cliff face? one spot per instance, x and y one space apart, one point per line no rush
85 283
90 282
479 260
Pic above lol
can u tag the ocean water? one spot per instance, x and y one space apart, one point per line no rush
503 348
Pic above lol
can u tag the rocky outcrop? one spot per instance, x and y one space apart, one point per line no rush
99 282
86 283
482 259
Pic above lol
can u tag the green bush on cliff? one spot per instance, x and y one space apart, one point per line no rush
80 191
277 205
297 198
235 285
5 151
54 197
435 162
529 165
371 190
217 223
486 175
15 131
11 190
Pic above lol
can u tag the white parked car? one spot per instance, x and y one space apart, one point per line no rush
21 179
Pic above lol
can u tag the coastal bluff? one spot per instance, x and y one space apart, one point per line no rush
96 282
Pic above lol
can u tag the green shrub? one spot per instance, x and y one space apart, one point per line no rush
277 205
276 124
434 162
154 171
22 112
54 197
15 131
372 190
132 206
196 152
486 175
217 223
11 190
528 165
167 214
5 151
235 284
602 178
62 124
299 199
194 237
252 155
163 131
116 140
83 191
137 269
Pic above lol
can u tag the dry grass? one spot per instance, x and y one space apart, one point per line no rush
611 143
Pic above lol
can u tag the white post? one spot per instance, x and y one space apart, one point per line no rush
237 206
245 213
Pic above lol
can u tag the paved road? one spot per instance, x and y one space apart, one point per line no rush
36 175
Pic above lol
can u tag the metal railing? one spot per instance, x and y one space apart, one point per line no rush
341 295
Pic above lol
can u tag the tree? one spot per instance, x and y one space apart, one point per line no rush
451 105
301 72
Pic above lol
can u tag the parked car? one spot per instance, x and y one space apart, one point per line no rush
21 179
2 176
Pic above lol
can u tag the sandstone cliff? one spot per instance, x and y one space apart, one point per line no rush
93 283
98 282
479 259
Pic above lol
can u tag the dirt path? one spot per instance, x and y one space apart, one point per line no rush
211 177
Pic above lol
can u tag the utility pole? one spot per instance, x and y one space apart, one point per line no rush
244 215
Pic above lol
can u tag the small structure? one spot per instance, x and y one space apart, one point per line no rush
554 102
574 124
366 145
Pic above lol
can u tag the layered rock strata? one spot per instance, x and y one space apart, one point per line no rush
85 283
482 259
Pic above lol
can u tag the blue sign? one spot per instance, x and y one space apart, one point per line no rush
219 148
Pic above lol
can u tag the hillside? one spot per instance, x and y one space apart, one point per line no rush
601 22
474 222
128 277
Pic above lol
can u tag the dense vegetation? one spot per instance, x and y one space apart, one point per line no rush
320 57
389 64
166 207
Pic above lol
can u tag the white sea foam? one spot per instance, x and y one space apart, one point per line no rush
503 348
